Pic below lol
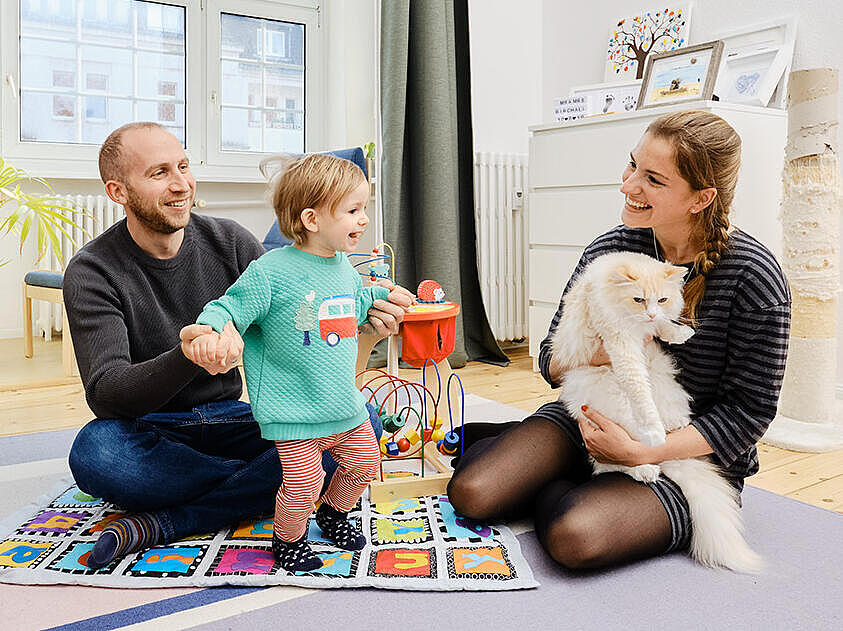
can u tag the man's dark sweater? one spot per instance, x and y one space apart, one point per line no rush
126 309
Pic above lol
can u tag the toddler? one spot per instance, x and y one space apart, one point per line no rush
298 309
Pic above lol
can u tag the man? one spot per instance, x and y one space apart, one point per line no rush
171 444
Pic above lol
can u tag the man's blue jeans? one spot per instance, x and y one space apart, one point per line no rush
197 471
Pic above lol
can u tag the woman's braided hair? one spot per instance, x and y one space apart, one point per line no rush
708 155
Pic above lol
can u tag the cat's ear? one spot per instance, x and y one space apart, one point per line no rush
674 273
622 275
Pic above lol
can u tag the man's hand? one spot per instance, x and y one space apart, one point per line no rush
385 316
215 352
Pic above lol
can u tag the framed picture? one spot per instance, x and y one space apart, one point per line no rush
687 74
756 63
632 39
609 98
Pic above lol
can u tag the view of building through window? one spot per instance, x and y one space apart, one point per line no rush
89 66
124 49
262 84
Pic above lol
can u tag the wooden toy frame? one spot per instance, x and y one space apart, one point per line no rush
425 449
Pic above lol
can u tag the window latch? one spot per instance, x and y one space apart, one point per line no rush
10 79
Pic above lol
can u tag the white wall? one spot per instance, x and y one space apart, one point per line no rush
574 56
351 71
506 72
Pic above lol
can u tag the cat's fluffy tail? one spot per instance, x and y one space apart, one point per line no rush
717 525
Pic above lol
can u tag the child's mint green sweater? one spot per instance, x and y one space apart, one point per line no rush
298 315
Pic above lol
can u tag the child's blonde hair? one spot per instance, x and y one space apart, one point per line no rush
311 181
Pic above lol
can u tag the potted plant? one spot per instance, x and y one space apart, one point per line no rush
43 214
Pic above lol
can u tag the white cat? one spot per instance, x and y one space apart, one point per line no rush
619 300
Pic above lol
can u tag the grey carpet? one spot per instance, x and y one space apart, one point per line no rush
38 446
801 589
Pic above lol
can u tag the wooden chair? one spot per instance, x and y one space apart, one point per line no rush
45 285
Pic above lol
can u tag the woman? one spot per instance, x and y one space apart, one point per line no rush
678 188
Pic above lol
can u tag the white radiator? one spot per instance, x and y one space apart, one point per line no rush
500 206
102 213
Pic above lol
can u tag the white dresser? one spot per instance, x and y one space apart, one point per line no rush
575 174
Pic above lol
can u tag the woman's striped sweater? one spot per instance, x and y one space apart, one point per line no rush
734 364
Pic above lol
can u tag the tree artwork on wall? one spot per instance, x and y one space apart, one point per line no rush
635 37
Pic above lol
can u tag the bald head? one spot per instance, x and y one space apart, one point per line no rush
111 156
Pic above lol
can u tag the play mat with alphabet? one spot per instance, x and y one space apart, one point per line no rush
413 544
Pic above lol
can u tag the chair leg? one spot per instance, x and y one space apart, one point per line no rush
27 323
68 357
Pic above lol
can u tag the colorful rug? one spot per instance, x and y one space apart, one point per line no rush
418 544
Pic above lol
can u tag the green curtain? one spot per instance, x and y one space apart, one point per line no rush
426 177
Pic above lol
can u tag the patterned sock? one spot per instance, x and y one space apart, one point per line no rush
336 527
123 536
295 556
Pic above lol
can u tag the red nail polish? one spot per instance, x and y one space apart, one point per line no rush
584 408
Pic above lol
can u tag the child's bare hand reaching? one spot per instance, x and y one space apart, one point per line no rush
209 349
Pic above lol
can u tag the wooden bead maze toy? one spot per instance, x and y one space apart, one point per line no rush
413 430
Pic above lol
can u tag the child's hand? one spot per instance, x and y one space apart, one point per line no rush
203 349
190 333
215 352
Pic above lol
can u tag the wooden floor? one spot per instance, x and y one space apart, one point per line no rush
36 397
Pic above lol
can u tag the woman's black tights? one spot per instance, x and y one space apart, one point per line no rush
533 467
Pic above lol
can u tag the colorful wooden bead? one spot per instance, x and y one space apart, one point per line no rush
412 436
392 448
451 443
438 435
403 445
392 423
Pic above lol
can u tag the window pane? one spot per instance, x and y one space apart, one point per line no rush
96 81
95 108
241 83
126 50
261 66
237 134
240 37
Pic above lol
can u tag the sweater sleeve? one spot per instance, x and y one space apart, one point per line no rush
114 386
246 302
757 352
545 346
366 297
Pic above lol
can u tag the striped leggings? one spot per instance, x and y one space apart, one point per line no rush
358 455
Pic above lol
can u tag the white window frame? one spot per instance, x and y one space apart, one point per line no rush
314 88
202 116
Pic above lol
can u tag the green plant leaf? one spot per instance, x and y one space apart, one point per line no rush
52 215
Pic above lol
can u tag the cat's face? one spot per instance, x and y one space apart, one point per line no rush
647 293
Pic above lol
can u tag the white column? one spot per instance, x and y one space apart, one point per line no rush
809 417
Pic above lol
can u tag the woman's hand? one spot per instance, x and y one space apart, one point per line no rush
608 442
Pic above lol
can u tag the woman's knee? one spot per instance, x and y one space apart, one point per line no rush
573 537
471 495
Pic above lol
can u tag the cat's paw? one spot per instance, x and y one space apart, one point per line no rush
675 333
682 334
645 472
652 437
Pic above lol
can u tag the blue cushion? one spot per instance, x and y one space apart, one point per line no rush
274 238
44 279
